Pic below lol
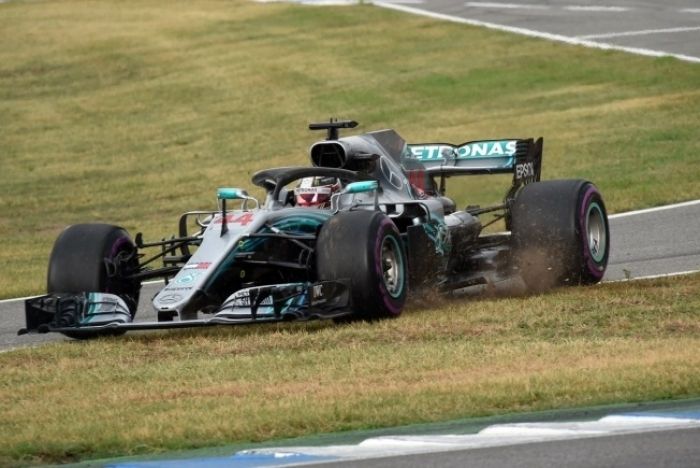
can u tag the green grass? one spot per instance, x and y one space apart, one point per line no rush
133 112
152 392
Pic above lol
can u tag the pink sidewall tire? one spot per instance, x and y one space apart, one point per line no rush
365 248
560 234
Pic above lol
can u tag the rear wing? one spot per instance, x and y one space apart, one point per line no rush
521 157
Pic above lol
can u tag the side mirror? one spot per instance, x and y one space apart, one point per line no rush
362 186
353 188
230 193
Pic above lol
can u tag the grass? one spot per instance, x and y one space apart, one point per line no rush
133 112
151 392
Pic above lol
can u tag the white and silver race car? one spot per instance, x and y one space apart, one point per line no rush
345 237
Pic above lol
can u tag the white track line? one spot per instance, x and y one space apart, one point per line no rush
508 6
656 208
640 33
15 299
537 34
596 9
536 6
647 277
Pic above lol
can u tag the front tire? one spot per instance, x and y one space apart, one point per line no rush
94 258
365 247
560 234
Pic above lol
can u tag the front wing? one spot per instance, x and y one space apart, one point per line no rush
101 312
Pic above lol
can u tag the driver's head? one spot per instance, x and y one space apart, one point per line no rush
316 192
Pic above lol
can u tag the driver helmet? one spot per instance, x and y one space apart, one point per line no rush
316 192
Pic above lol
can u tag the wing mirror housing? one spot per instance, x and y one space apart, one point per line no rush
231 193
362 186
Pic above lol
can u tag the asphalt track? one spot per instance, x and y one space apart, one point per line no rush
627 435
661 28
677 448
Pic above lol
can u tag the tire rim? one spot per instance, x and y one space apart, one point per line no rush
596 232
392 267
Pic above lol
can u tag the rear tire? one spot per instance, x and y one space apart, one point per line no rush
365 247
79 263
560 234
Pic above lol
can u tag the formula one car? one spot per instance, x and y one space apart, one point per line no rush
342 238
